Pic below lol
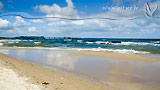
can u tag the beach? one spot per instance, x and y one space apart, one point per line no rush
59 70
46 78
79 45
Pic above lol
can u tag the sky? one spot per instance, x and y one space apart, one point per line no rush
121 10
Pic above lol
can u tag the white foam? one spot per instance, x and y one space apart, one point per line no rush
100 42
126 43
80 41
37 42
135 43
120 51
10 42
89 42
128 51
1 44
13 41
67 39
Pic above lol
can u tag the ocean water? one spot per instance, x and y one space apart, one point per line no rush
116 45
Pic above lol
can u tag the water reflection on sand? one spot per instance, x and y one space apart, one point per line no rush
124 74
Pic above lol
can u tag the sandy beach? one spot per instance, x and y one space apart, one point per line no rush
34 77
114 56
10 80
42 78
79 45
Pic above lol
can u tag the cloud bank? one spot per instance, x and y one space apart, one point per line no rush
56 10
139 28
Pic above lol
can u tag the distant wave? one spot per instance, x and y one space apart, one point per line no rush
136 43
126 43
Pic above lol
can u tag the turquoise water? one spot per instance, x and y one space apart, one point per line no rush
125 46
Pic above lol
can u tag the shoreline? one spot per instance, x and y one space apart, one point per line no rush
59 80
18 48
114 56
105 54
52 80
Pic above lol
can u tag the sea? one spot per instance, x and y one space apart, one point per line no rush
115 45
55 54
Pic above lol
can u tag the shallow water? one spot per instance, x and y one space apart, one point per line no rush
124 74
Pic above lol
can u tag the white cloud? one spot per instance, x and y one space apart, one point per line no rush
1 6
70 4
32 29
70 27
37 21
4 24
90 28
65 23
56 10
20 22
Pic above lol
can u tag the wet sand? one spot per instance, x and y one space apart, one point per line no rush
120 71
114 56
130 71
50 79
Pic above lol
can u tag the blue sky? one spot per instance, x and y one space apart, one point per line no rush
88 6
145 27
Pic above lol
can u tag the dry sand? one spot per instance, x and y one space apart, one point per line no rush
47 78
114 55
10 80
